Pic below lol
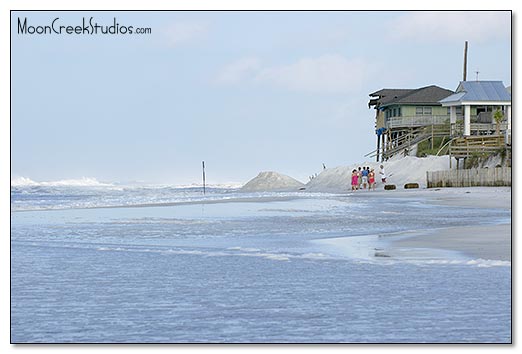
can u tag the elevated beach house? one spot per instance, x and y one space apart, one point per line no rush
480 119
404 117
475 120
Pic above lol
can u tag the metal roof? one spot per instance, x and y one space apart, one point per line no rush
479 91
456 97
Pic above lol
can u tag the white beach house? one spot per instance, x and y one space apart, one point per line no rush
479 100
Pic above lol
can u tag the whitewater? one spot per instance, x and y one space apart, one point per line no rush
95 262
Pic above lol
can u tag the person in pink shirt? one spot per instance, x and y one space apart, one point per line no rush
355 180
371 179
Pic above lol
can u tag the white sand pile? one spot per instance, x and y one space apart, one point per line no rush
399 171
271 181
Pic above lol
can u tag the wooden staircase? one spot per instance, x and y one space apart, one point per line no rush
415 136
458 146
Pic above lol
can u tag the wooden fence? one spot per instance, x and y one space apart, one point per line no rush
470 178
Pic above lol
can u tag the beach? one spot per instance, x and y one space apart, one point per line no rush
488 242
485 242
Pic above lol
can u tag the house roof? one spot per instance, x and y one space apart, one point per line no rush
429 95
385 96
479 91
391 92
426 95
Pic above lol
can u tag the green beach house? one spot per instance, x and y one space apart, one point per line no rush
402 114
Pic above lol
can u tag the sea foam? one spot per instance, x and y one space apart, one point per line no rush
81 182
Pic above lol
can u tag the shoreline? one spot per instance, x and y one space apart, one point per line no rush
482 241
171 204
488 242
478 241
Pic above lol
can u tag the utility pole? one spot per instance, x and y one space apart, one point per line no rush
203 163
465 61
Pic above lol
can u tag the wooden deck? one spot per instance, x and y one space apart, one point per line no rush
480 145
466 146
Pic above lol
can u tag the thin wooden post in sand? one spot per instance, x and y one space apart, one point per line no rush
203 163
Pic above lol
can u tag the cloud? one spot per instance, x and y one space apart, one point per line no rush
240 70
184 32
325 74
477 26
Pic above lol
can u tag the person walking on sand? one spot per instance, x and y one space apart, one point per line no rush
364 175
355 180
371 179
383 174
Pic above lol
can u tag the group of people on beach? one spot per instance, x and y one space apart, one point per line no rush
364 178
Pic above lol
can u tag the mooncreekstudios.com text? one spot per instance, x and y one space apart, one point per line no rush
87 27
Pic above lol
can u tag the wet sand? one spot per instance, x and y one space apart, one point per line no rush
488 242
492 242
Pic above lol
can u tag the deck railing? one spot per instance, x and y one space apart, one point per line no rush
467 146
421 121
416 121
487 128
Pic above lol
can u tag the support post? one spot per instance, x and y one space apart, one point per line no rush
383 148
467 120
453 120
432 136
509 117
378 146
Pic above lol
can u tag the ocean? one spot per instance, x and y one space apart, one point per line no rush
98 263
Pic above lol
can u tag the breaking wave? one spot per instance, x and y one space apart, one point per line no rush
81 182
481 263
93 182
232 251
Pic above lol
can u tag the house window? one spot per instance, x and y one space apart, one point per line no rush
399 112
426 111
459 110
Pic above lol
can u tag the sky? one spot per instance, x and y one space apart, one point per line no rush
243 91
